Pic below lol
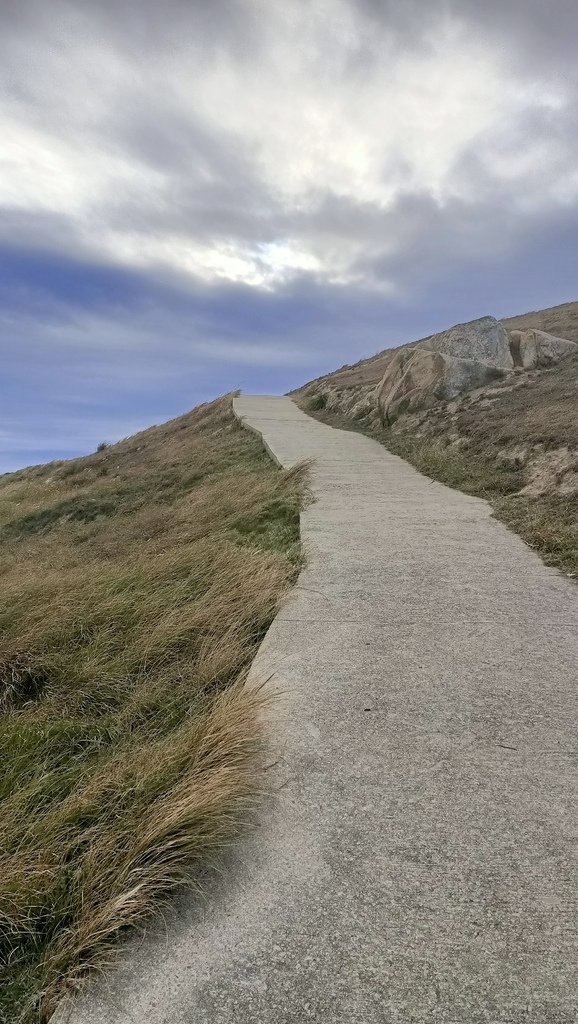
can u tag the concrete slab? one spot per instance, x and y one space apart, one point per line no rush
418 863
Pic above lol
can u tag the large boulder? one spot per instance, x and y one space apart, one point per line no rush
412 373
535 349
443 366
484 340
425 377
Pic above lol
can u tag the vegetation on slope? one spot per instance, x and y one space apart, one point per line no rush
492 443
136 585
561 321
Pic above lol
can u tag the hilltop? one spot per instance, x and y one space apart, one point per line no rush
488 407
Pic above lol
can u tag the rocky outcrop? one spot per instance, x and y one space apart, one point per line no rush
535 349
443 366
484 340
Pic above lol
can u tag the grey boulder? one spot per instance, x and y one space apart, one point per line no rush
441 367
484 340
535 349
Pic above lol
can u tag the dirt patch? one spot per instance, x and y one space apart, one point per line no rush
553 472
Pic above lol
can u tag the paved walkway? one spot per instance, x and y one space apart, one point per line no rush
418 863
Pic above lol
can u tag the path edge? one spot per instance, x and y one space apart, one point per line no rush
242 420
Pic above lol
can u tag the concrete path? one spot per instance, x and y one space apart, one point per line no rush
419 861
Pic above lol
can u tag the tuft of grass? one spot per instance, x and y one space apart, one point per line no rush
434 457
549 524
317 402
136 586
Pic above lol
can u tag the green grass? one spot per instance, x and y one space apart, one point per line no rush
439 460
136 585
548 523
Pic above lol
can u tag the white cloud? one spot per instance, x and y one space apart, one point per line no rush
263 265
326 103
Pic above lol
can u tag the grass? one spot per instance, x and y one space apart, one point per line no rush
136 586
548 523
542 413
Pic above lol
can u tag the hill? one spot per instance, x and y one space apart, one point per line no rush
137 584
513 439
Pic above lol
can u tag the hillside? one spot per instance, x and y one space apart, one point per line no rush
560 320
137 584
513 440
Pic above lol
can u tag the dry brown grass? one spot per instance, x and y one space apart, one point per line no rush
136 586
541 409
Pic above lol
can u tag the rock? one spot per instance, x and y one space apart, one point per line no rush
484 340
362 408
462 374
393 374
536 349
512 458
457 366
426 377
444 366
409 381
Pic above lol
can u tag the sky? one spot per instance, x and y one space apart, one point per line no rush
197 197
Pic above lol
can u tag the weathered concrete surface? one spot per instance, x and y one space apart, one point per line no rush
418 862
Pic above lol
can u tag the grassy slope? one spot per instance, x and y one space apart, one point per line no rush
541 412
136 585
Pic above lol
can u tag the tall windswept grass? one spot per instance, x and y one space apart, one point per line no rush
135 587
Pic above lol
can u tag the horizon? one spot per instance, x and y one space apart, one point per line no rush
249 196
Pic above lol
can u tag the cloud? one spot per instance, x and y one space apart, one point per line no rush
211 145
